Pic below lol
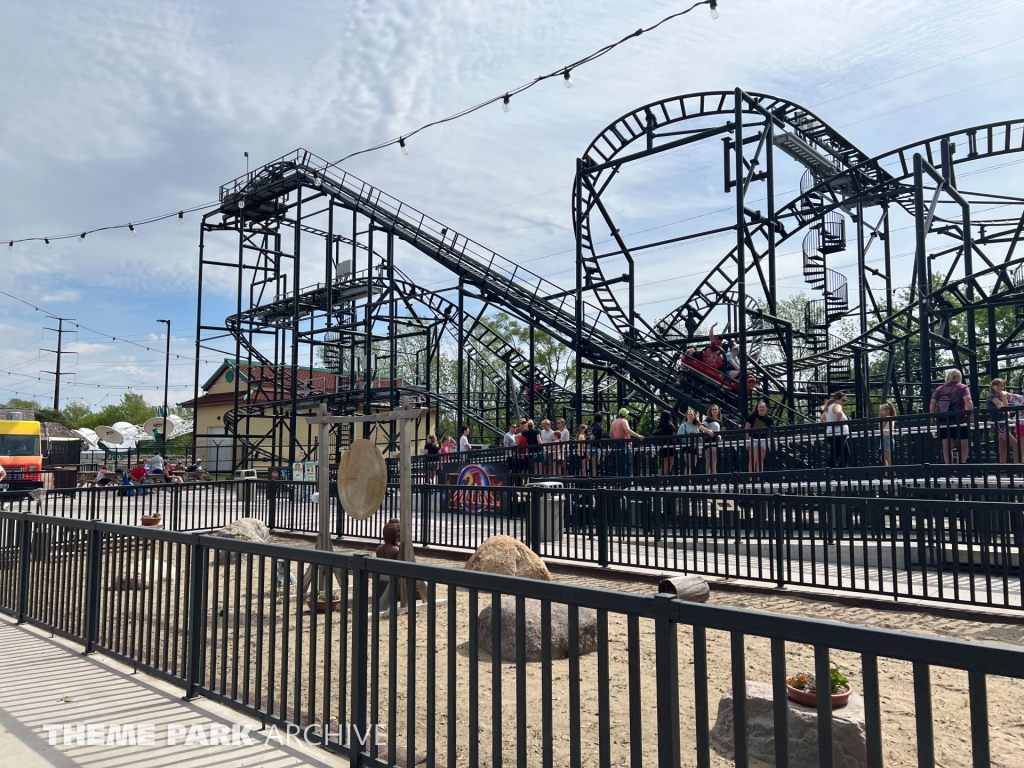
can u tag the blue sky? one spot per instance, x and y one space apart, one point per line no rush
117 111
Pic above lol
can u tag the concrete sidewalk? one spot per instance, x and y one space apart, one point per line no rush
48 681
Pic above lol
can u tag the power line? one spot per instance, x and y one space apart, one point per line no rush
916 72
103 334
77 384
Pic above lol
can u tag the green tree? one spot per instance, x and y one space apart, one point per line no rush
132 408
18 402
49 415
74 414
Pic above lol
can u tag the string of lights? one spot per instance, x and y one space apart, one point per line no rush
131 227
564 72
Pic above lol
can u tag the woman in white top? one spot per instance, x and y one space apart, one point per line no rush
547 434
837 433
712 424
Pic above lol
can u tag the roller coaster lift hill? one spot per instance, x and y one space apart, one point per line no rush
323 313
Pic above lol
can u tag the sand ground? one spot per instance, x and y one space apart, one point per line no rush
281 657
949 687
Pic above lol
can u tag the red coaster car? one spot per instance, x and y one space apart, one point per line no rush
710 366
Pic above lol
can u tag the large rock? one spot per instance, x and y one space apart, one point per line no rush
559 629
849 744
508 557
245 528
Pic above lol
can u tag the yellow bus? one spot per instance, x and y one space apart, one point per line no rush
20 450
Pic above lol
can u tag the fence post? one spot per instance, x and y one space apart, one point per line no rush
196 618
425 516
535 520
23 567
360 654
94 568
667 665
176 491
272 504
602 526
780 554
247 497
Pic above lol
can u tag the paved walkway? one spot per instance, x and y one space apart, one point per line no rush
45 681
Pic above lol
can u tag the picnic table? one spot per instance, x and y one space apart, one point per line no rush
88 480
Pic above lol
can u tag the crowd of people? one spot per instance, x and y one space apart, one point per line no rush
550 449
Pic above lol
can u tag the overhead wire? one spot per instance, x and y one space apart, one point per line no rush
104 335
563 72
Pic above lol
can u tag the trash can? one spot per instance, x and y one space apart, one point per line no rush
552 512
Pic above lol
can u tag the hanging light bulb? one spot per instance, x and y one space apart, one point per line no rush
401 143
181 218
47 241
714 8
568 78
316 180
241 203
131 228
504 103
81 237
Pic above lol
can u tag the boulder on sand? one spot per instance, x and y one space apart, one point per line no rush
849 741
508 557
532 614
245 528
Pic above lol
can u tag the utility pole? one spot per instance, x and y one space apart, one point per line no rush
167 373
59 352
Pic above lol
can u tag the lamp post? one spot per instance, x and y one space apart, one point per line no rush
167 371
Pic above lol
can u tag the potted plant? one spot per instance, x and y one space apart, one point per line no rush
803 689
321 602
151 520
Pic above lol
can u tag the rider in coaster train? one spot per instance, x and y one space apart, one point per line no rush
714 355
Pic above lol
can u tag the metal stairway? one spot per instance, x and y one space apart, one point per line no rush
826 234
532 298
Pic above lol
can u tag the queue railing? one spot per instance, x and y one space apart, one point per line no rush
628 679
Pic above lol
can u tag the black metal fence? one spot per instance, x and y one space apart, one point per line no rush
931 542
575 676
988 437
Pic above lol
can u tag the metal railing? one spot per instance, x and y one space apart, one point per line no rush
628 682
915 439
963 547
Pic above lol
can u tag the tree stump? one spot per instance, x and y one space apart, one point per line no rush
692 589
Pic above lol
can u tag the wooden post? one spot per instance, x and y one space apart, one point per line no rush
323 481
403 417
405 481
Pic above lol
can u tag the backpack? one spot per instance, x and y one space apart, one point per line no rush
589 434
950 398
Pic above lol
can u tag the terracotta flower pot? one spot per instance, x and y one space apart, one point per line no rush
321 605
150 521
808 699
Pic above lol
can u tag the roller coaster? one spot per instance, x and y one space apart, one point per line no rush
311 251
